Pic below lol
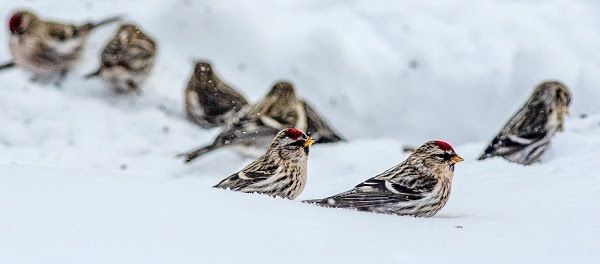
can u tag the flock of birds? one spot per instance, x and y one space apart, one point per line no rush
283 124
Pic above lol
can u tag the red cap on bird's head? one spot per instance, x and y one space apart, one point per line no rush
14 24
293 133
443 145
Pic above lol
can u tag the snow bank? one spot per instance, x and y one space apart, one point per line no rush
411 70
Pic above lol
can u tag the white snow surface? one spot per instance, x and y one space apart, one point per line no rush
87 176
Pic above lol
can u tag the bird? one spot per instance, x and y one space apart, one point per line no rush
47 49
209 102
127 59
254 126
318 128
419 186
280 172
528 133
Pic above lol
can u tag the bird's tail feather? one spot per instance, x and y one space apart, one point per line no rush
93 74
315 201
189 156
92 25
7 65
106 21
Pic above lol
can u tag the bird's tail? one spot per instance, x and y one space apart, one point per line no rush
92 25
106 21
316 201
189 156
7 65
93 74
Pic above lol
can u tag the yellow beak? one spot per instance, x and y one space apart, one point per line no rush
456 159
308 142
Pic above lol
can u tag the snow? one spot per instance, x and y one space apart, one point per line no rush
90 177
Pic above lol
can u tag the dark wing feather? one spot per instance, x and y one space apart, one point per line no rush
317 128
369 194
246 135
252 174
380 190
133 57
525 128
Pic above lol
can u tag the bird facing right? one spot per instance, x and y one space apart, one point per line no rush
127 59
527 134
279 172
419 186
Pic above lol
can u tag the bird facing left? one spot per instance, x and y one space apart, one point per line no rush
49 50
281 171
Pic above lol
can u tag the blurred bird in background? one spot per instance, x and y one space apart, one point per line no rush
126 61
209 102
528 133
49 50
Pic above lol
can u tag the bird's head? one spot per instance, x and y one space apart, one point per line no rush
556 96
282 90
291 143
203 70
125 32
20 22
437 156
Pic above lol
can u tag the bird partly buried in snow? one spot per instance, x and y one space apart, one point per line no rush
528 133
254 127
281 171
209 102
419 186
126 61
47 49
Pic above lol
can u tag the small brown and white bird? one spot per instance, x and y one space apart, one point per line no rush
527 134
47 49
279 172
209 102
254 127
127 59
419 186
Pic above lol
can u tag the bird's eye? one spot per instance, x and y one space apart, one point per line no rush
444 156
297 143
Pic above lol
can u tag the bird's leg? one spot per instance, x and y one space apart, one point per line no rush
7 65
61 78
134 87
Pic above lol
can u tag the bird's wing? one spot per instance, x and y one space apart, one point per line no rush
528 126
381 190
233 95
250 175
246 134
317 128
134 55
400 183
61 33
367 195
